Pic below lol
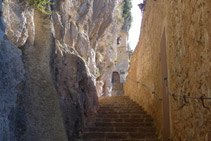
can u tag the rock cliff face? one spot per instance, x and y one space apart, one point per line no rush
12 112
49 63
183 27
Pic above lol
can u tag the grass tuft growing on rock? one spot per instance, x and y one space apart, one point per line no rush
42 5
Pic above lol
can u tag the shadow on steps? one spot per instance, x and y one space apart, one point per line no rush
120 119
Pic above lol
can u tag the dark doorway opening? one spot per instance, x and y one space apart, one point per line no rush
115 77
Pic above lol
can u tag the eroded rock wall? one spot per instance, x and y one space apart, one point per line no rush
12 78
187 28
54 67
76 90
106 54
40 93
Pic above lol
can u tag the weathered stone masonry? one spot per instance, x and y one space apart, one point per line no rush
187 29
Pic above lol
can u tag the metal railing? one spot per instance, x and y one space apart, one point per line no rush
148 88
174 96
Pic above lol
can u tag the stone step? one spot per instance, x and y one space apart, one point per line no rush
126 107
120 109
122 106
124 120
121 113
125 110
115 97
135 107
126 124
124 102
117 102
128 116
121 129
120 119
116 139
119 135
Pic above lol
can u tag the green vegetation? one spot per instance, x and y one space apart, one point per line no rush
83 58
42 5
97 74
119 13
108 44
60 45
127 9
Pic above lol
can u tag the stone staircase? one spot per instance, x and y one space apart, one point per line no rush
120 119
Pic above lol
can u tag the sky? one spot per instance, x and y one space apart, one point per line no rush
134 31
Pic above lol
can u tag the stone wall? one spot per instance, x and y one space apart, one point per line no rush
117 89
122 61
186 25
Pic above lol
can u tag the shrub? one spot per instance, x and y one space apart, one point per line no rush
127 9
41 5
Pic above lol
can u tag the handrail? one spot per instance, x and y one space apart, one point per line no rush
148 88
202 98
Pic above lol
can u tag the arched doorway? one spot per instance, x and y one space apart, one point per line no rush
115 77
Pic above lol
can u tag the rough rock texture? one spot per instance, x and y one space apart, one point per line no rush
189 44
40 93
78 36
22 23
76 90
188 31
57 84
107 52
12 120
12 113
91 28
